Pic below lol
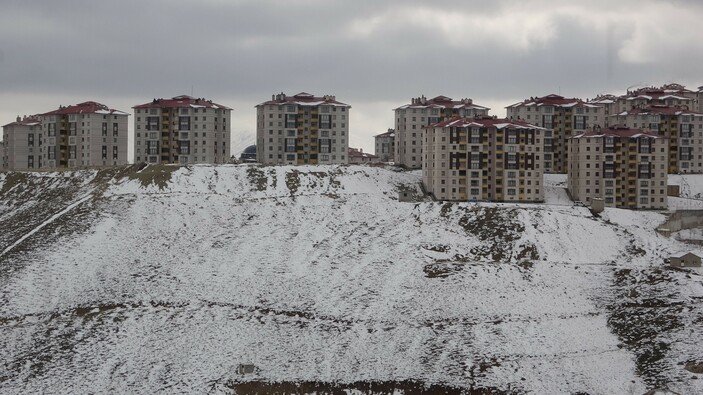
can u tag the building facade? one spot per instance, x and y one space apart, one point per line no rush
22 141
623 166
182 130
410 119
302 129
484 159
385 146
564 117
683 128
87 134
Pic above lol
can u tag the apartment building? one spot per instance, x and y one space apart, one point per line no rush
625 167
609 106
410 119
85 134
673 95
21 142
302 129
564 117
385 145
683 128
484 158
183 130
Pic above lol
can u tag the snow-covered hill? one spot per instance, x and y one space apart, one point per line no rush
176 280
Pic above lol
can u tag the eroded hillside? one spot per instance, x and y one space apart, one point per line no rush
169 279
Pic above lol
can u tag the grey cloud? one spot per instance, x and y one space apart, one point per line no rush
247 50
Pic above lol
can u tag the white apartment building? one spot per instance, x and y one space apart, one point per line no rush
410 119
22 144
564 117
302 129
182 130
82 135
484 159
625 167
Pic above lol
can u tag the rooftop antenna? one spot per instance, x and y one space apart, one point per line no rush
191 91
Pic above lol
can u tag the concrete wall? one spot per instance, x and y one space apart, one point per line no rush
682 219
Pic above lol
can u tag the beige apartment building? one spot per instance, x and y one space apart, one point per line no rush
682 127
182 130
385 146
564 117
410 119
22 144
82 135
484 158
625 167
302 129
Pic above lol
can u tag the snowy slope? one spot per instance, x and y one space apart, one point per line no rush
168 279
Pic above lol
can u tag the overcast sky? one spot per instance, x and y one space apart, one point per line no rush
374 55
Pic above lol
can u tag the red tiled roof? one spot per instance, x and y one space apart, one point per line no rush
617 131
487 122
180 102
355 152
89 107
659 109
304 98
389 133
441 102
27 120
552 100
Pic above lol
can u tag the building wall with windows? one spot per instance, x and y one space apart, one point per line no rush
682 127
484 159
565 117
22 144
302 129
411 119
625 167
385 146
87 134
182 130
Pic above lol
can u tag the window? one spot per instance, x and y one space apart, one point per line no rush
183 123
115 129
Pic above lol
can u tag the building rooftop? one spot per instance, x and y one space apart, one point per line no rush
553 100
303 99
359 153
389 133
617 131
183 101
441 102
31 120
88 107
486 122
659 109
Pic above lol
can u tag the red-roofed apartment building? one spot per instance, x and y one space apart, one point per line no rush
182 130
564 117
682 127
302 129
484 158
625 167
21 144
410 119
85 134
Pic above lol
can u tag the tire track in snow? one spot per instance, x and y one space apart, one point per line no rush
47 222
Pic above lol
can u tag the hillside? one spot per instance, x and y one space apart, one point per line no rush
175 280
